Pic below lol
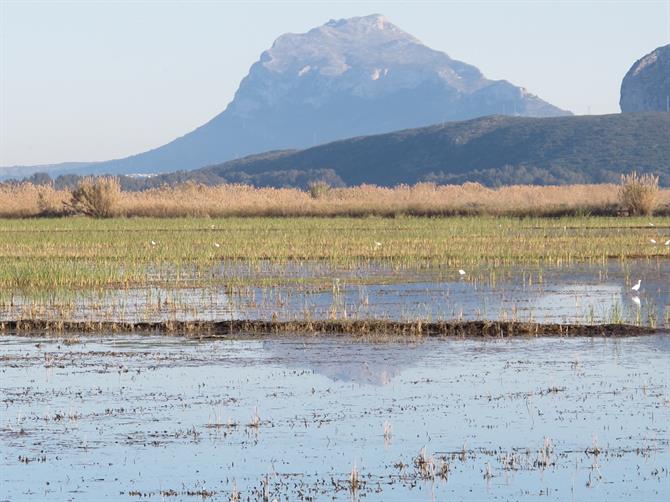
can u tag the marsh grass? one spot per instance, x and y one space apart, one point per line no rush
60 254
48 266
424 199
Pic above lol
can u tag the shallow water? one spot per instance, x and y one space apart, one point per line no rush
142 417
586 293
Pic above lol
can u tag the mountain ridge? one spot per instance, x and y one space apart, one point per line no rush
348 77
493 150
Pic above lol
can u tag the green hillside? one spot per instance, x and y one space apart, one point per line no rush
495 151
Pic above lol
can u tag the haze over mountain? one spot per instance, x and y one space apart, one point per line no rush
646 86
346 78
494 150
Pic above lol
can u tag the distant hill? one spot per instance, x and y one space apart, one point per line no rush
349 77
646 86
491 150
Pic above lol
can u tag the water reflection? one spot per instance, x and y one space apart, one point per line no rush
581 293
114 416
366 364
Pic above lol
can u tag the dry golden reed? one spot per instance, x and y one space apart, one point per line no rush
638 193
27 200
424 199
96 197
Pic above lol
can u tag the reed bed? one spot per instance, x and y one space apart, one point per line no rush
425 199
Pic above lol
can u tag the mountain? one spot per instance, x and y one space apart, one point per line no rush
346 78
494 150
646 86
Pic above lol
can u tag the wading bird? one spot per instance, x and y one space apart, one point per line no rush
637 286
653 241
461 272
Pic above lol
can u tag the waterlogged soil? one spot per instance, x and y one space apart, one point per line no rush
131 417
579 293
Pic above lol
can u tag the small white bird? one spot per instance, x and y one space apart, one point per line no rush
153 243
653 241
377 244
217 245
651 224
667 243
636 300
637 286
461 272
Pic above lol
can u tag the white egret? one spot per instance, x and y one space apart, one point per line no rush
377 243
153 243
653 241
637 286
667 243
461 272
636 300
217 245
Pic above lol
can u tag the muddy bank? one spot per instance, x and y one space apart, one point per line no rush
493 329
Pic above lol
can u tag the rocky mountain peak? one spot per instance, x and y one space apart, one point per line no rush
369 57
345 78
646 86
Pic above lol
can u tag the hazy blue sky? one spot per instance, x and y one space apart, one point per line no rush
99 80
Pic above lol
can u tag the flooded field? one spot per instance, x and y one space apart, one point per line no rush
579 293
129 417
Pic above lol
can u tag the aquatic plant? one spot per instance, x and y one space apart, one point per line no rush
81 252
425 464
354 481
54 269
255 420
388 432
544 455
234 493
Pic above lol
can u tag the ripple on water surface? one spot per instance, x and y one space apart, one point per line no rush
581 293
129 417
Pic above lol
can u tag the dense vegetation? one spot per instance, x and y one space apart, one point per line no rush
102 197
48 254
